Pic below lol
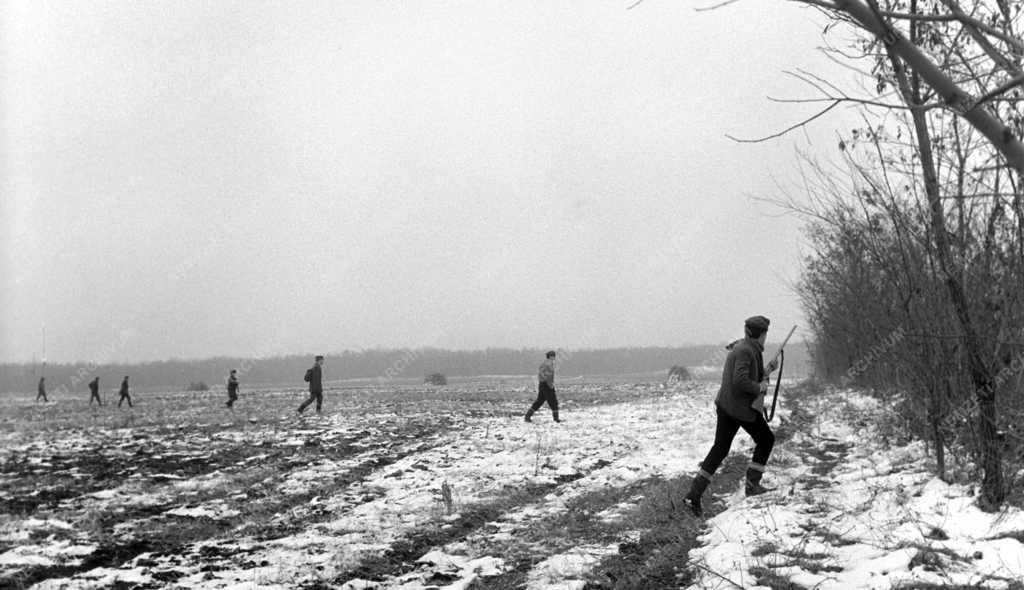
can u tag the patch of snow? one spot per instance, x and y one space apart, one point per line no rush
358 584
106 494
49 523
24 556
563 571
210 511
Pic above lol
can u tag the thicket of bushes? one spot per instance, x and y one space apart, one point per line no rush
879 301
678 373
917 276
436 379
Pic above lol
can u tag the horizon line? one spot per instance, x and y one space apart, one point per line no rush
36 362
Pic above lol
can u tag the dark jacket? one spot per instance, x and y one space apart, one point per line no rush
316 384
124 387
546 373
94 386
741 377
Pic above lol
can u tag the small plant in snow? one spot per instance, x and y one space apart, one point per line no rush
537 453
446 499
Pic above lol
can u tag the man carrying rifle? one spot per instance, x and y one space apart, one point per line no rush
738 405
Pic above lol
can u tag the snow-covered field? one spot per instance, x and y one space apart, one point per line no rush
449 488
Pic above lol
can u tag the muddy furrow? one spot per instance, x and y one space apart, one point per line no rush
264 513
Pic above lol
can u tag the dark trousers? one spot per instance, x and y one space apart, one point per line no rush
232 396
124 396
317 396
42 394
95 396
726 430
545 393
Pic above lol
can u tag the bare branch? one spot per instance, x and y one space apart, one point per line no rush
999 135
976 27
788 129
861 101
821 80
1006 87
970 21
821 4
713 7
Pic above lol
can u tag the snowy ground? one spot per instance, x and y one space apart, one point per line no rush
851 511
449 488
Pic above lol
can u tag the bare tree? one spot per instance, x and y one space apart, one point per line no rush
949 76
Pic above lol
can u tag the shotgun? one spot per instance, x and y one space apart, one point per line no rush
759 400
783 345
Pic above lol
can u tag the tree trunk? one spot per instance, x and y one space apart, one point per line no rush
938 412
993 492
1000 135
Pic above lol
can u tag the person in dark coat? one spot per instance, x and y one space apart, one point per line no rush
545 388
232 389
41 392
740 397
124 393
314 376
94 391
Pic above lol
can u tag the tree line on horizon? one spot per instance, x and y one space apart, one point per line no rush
386 366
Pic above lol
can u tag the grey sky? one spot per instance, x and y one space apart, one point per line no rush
213 176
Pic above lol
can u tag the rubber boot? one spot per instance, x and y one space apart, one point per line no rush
529 413
697 487
753 485
554 414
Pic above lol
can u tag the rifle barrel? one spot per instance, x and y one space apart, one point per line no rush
784 342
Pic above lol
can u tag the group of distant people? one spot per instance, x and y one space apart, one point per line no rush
94 392
314 376
739 404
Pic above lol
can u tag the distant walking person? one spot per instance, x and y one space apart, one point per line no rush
94 391
232 389
42 390
124 393
545 388
738 405
314 376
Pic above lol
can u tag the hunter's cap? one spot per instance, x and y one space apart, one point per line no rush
550 354
756 325
319 357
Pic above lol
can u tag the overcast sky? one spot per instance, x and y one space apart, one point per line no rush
222 178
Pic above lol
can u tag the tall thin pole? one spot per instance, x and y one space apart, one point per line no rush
44 350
